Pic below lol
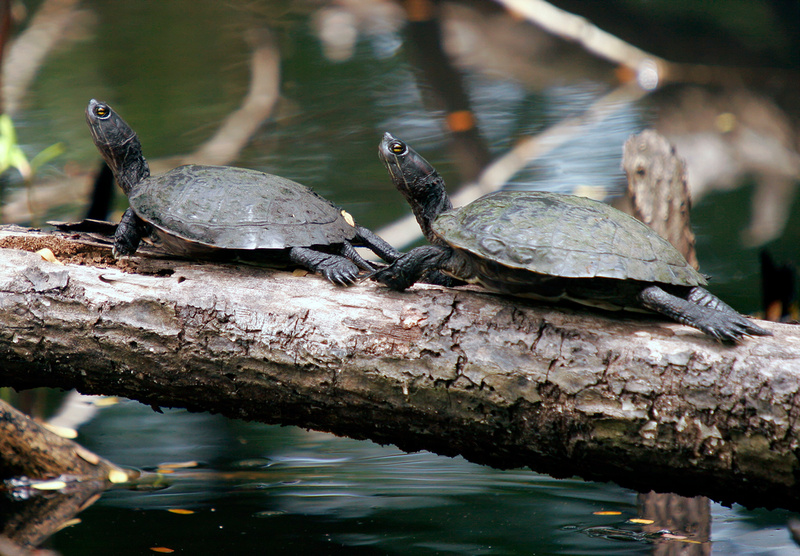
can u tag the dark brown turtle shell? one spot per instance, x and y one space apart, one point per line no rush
234 208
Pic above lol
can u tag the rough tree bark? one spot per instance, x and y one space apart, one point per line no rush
30 454
645 403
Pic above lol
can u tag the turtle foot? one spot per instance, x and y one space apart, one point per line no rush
342 274
390 277
729 328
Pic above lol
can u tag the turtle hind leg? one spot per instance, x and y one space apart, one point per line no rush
726 325
130 231
705 298
336 268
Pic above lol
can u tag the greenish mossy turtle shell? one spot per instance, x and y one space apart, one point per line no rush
563 235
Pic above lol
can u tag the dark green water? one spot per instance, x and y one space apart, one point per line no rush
174 70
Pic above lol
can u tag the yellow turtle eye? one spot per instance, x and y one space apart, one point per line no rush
102 111
398 147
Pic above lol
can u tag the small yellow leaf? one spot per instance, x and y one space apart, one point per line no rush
86 455
164 471
162 549
641 521
50 485
607 512
117 476
68 523
348 218
92 499
179 465
180 511
299 272
63 432
105 401
48 255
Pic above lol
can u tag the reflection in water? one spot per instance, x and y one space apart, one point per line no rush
299 490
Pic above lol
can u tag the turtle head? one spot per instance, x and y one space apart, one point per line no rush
118 144
417 180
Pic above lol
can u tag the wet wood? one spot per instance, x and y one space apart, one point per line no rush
30 450
645 403
30 454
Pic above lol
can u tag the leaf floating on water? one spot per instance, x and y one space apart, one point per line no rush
68 523
179 465
48 255
86 455
254 463
117 476
641 521
105 401
162 549
49 485
607 512
94 498
270 513
63 432
180 511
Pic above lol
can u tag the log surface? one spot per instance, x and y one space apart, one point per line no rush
635 400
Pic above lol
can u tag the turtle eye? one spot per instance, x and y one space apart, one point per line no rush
102 111
398 147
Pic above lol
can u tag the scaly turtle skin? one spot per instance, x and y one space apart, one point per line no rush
219 211
550 247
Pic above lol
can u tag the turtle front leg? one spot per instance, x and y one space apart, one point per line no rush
130 231
350 252
724 325
377 244
409 268
335 268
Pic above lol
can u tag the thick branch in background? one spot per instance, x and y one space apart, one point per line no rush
657 190
645 403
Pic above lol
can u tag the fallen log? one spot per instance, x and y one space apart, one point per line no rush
645 403
52 479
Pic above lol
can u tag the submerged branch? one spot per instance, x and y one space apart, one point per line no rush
648 404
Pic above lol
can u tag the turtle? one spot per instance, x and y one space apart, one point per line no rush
226 212
551 246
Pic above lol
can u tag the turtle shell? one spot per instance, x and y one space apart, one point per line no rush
235 208
563 235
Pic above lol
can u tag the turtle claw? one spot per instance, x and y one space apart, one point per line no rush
732 329
341 274
390 277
